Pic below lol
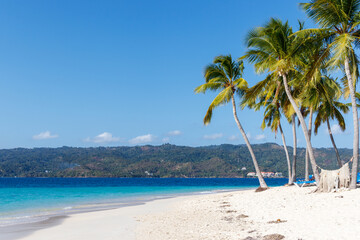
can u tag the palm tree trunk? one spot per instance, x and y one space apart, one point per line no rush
257 169
287 155
305 130
333 143
276 92
293 170
356 125
307 152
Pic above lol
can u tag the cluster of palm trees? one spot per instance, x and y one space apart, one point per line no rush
299 83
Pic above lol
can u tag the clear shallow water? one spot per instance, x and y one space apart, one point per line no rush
24 200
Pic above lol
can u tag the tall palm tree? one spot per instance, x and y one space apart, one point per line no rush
293 167
290 115
314 66
309 104
311 114
268 96
225 75
275 49
339 21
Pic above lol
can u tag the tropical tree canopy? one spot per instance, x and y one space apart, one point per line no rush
225 75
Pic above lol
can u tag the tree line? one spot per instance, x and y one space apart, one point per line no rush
154 161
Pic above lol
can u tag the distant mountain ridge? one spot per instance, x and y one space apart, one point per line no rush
167 160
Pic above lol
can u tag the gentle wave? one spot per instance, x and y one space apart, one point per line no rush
5 222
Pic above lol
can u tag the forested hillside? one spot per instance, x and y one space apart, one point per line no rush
154 161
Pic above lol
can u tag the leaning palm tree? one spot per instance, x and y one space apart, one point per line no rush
273 48
226 75
339 21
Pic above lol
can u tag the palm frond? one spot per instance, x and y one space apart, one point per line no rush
223 97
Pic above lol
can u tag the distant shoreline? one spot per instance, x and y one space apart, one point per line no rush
164 161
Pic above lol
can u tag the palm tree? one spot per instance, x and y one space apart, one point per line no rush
272 117
307 151
293 167
275 49
314 66
226 75
339 21
331 109
309 111
267 95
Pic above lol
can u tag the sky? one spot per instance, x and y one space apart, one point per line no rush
91 73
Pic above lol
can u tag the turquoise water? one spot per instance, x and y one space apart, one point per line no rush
24 200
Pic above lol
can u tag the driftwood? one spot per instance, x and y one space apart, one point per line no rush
334 179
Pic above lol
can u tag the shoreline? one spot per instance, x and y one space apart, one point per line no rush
20 231
14 232
291 212
118 223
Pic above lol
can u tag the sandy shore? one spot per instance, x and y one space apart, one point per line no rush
292 212
119 223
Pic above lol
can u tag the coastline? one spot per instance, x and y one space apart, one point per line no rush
22 230
118 223
292 212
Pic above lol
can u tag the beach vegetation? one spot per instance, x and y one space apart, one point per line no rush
159 161
298 83
270 94
338 22
274 48
225 75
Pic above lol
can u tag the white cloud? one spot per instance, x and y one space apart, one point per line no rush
166 139
104 137
44 135
174 133
142 139
213 136
335 129
233 138
260 137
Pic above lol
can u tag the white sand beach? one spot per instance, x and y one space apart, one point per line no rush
292 212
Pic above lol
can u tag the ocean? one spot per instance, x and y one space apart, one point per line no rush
29 200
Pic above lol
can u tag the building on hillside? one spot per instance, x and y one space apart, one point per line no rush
268 174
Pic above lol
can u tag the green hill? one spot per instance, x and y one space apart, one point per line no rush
155 161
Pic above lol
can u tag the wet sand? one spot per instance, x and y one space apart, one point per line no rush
22 230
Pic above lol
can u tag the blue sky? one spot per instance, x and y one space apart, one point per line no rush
109 73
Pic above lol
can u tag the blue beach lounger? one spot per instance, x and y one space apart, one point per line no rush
302 183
